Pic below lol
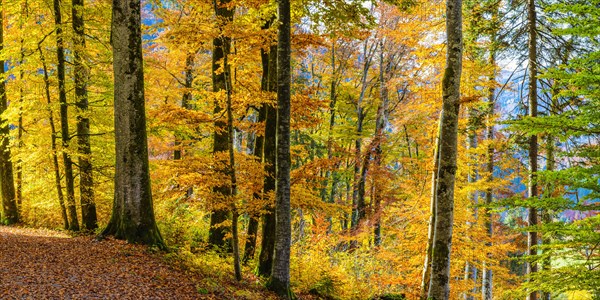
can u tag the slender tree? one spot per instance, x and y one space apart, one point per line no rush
9 203
439 286
89 220
280 277
265 259
55 164
64 118
532 219
132 215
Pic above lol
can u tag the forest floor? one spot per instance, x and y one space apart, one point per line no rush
45 264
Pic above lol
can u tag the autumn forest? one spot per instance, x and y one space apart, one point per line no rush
300 149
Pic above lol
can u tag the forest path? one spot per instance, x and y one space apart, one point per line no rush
44 264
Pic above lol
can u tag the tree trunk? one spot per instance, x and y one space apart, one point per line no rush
279 281
132 215
265 259
426 275
377 139
186 98
9 203
64 119
439 287
471 272
59 191
258 153
486 272
89 219
358 192
234 219
532 219
221 48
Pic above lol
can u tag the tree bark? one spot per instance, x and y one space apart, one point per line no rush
439 287
89 218
471 272
532 219
258 153
64 119
221 48
265 259
233 178
59 191
279 281
426 275
133 214
7 182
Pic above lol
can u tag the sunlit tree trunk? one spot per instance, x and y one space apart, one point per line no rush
279 282
133 214
439 286
186 98
426 274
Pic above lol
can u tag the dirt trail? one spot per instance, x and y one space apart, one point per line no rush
43 264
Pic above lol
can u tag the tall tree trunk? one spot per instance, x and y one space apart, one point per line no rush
234 219
64 119
377 140
279 281
9 203
258 152
358 192
439 287
471 272
221 48
486 272
89 219
532 219
133 213
19 195
59 191
426 275
265 259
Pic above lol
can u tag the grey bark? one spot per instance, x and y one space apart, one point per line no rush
132 216
279 281
7 181
221 48
89 218
439 286
532 220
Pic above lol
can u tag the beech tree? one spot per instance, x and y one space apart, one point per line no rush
439 286
89 219
221 48
279 281
64 118
132 216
